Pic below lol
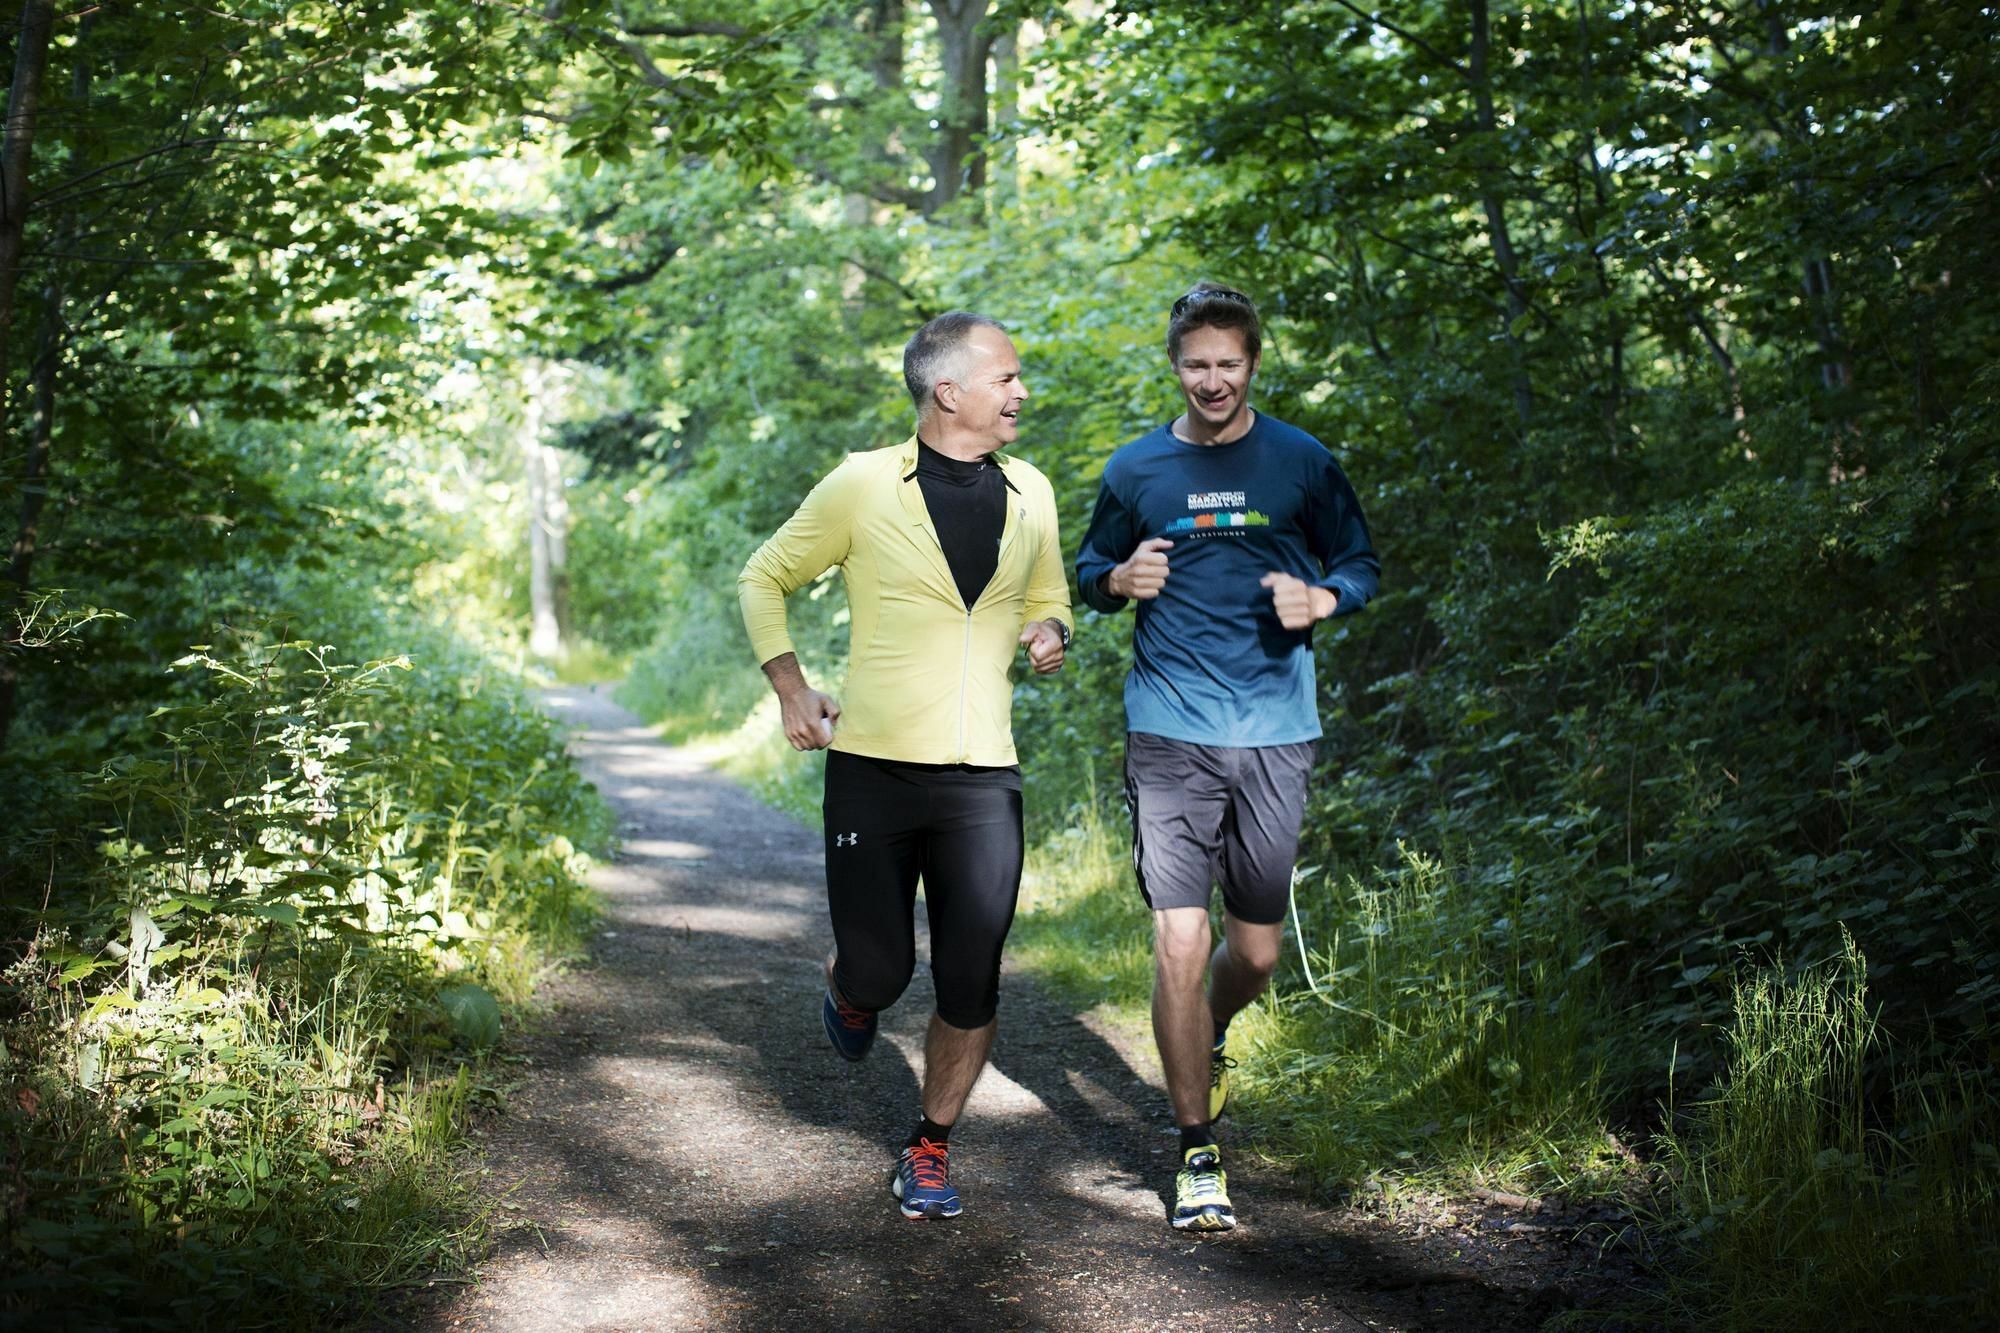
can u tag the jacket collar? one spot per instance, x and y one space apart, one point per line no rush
906 464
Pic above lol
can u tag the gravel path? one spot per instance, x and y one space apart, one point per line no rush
685 1151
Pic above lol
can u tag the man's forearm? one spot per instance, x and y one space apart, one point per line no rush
785 674
1097 593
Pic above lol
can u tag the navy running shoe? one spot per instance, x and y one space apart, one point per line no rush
851 1030
922 1182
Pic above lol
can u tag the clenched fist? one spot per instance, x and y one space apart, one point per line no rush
1143 574
1045 646
1297 602
809 717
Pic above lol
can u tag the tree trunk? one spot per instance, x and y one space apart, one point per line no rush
1007 95
555 518
1711 335
1614 404
24 98
883 24
957 156
34 491
545 637
1836 371
1495 209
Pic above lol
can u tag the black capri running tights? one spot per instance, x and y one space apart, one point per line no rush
956 827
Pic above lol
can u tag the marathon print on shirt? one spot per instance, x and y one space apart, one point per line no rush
1211 523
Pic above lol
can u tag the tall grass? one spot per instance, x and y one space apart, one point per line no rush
1810 1196
1422 1039
1432 1032
1082 929
246 1153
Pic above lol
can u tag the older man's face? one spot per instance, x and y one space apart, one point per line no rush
991 390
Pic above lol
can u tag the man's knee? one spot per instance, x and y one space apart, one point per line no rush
1254 949
1181 941
967 1014
871 987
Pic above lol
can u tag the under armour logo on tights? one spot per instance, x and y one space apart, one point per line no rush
846 839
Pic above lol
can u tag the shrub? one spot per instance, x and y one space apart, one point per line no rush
230 1070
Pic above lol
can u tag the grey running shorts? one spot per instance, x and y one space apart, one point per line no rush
1208 813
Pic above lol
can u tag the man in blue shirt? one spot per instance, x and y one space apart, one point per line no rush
1235 533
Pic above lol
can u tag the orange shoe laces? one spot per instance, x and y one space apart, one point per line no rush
855 1020
927 1164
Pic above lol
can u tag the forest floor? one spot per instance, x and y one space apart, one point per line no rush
684 1150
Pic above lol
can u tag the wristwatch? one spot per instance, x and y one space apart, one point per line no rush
1063 629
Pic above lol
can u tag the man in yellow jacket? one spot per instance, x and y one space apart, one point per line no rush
952 561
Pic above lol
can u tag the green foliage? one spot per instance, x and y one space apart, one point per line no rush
276 266
697 677
302 894
475 1014
1801 1210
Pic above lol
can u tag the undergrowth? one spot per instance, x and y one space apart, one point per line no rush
1811 1195
259 959
1418 1044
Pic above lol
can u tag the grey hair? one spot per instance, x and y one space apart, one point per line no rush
931 349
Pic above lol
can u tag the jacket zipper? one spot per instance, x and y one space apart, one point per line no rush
964 686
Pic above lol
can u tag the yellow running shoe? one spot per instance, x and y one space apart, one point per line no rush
1201 1201
1219 1066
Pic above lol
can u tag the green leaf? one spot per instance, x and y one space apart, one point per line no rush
475 1014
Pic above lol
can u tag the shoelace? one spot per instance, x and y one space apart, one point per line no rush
855 1020
1204 1179
927 1164
1217 1067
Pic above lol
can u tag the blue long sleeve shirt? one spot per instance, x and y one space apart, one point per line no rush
1211 664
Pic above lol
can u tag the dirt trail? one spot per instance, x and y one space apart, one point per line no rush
687 1152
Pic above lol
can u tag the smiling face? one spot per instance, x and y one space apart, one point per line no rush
983 394
1215 368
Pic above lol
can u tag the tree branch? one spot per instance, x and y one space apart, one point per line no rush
645 272
127 263
56 192
683 29
914 200
1378 21
923 307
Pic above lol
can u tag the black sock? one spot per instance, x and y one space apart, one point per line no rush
1196 1136
928 1128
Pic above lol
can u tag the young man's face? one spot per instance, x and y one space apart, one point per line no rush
1215 369
991 389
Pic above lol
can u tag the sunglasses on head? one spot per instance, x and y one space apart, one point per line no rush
1200 294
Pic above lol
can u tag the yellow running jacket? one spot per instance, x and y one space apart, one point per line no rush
927 678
